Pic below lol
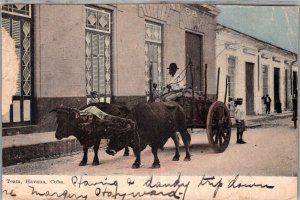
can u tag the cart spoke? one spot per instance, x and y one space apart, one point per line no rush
220 140
216 137
214 132
215 140
223 136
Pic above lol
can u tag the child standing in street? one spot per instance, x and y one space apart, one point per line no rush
240 120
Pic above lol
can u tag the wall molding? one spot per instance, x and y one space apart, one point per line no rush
249 51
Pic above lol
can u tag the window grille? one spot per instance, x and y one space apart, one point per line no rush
153 56
98 53
17 22
231 77
98 20
23 10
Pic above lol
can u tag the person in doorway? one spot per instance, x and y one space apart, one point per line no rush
155 92
94 98
267 101
175 87
240 121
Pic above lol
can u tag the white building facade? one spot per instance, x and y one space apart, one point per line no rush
253 69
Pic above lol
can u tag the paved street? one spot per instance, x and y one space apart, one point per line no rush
271 149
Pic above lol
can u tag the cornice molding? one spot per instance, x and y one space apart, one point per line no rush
266 55
277 59
249 51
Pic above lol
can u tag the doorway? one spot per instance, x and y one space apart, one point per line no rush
249 88
295 77
277 103
194 59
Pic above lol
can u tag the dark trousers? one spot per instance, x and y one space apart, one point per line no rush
241 127
268 105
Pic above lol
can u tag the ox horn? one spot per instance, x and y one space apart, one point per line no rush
75 111
53 110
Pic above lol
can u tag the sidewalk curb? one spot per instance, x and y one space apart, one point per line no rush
21 154
269 117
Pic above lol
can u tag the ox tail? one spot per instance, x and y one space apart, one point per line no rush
136 141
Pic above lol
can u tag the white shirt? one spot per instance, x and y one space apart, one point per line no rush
239 113
176 82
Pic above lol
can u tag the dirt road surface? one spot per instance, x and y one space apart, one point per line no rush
271 150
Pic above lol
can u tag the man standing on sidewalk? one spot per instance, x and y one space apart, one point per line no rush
267 101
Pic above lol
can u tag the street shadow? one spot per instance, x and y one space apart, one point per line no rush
198 148
201 148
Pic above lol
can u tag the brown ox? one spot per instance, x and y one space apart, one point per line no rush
155 124
70 123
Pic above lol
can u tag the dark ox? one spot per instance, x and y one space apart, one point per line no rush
155 124
89 134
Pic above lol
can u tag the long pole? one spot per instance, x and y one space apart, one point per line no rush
226 89
218 79
151 99
205 79
192 82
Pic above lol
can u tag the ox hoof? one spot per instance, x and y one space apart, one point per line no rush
126 154
187 159
156 165
175 158
82 163
136 165
95 163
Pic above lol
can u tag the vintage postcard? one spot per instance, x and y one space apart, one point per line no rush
149 101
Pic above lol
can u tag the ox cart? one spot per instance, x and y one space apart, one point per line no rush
147 124
207 113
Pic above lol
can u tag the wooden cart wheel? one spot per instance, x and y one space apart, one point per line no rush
218 126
